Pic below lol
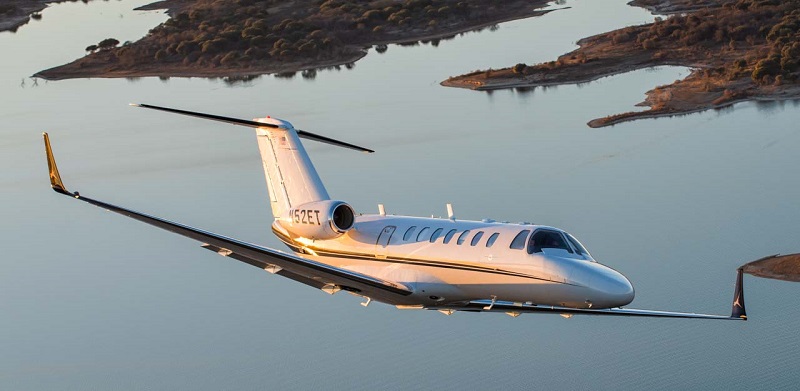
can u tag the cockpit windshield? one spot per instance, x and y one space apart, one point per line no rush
545 238
578 247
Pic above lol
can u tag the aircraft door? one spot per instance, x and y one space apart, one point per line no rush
381 246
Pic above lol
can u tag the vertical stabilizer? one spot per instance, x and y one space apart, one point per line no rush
291 177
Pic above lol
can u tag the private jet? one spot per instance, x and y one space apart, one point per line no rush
443 264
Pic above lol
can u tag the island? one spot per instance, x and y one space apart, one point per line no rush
240 38
779 267
738 50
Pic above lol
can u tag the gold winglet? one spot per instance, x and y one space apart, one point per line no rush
55 179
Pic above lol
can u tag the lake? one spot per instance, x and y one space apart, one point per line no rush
92 300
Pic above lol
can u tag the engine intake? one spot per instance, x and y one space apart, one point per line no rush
321 219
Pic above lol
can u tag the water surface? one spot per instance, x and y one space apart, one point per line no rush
91 300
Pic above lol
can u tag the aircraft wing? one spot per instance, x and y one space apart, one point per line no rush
316 274
515 309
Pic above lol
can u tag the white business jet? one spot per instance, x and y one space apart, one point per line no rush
442 264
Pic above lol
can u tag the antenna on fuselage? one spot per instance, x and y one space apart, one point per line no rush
381 210
450 214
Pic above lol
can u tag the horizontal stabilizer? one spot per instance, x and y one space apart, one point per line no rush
255 124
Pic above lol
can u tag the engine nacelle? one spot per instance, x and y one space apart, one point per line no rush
320 219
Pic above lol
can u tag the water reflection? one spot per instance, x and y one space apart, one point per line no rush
243 80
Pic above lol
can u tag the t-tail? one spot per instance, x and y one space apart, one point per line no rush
300 204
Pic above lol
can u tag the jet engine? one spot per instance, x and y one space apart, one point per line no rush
321 219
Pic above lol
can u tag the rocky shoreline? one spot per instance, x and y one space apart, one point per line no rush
733 59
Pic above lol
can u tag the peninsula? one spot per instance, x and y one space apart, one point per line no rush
738 50
779 267
239 38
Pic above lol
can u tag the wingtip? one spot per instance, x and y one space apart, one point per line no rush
55 178
135 104
737 309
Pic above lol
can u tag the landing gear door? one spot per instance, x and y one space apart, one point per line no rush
382 245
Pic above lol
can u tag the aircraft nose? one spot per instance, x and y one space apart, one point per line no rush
615 288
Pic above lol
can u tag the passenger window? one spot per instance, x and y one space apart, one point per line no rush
462 237
436 234
547 239
476 238
422 233
519 241
449 236
491 239
408 233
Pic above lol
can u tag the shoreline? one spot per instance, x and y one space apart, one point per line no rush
723 73
21 12
776 267
94 66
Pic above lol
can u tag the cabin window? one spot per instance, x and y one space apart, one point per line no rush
519 241
435 235
462 237
545 238
449 236
577 245
408 233
422 233
490 241
476 238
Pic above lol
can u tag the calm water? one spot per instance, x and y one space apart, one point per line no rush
91 300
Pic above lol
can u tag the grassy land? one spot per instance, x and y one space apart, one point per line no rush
739 50
249 37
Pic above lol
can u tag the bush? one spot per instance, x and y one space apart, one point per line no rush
107 43
519 68
764 68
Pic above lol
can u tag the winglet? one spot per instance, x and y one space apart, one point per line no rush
55 179
737 310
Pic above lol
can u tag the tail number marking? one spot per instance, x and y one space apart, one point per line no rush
306 216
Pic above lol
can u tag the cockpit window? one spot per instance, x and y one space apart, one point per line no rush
577 245
519 241
545 238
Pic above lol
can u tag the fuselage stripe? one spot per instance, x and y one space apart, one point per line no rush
297 248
